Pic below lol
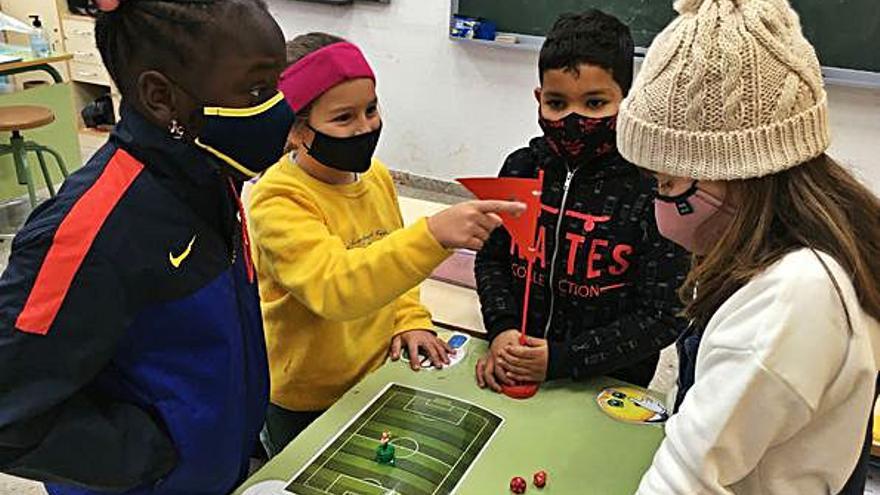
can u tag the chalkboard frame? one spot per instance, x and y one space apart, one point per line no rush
838 76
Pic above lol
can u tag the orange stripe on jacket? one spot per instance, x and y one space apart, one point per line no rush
72 243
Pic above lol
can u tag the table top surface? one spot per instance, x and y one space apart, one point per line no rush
561 431
29 61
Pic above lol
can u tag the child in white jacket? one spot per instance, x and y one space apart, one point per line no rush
779 367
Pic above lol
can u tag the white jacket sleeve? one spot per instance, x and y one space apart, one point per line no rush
724 427
764 362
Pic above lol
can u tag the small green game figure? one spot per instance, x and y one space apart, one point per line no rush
385 451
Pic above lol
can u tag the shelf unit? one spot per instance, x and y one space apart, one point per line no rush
67 33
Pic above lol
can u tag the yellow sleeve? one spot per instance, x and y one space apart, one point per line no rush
411 313
316 268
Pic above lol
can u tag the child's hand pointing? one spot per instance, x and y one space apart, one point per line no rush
468 225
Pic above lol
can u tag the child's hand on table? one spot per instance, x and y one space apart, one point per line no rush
525 363
434 347
488 373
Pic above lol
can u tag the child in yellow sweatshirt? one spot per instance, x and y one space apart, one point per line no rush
338 272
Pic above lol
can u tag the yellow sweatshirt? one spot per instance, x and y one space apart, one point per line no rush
338 278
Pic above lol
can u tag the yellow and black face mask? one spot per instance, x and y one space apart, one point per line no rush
247 140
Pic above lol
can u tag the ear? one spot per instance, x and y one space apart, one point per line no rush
538 92
156 95
300 136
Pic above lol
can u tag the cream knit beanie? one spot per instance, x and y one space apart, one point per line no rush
731 89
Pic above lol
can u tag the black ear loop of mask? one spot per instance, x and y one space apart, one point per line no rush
682 201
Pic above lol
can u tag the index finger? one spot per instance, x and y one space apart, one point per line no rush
481 364
489 375
395 348
434 355
414 361
496 206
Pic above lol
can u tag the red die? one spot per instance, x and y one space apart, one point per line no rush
540 479
518 485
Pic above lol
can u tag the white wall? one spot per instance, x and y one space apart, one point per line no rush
453 109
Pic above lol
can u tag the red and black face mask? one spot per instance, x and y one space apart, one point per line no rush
578 139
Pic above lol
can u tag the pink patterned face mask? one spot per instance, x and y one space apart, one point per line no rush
693 220
107 5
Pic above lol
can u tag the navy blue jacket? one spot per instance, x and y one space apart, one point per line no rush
132 356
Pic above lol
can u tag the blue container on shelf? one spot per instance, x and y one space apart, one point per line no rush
472 28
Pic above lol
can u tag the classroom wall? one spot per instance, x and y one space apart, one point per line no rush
454 109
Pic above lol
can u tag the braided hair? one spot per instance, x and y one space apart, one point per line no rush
163 35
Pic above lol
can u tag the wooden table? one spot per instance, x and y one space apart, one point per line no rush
30 64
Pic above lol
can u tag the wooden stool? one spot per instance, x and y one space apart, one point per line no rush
15 119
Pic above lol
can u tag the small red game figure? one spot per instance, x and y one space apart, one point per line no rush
540 479
518 485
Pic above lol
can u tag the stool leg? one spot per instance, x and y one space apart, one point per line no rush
46 176
17 146
19 154
60 161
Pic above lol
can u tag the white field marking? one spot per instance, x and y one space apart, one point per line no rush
427 418
379 395
367 481
412 452
392 396
471 444
345 442
464 412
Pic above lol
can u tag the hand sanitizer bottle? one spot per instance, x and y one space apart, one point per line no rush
39 43
6 85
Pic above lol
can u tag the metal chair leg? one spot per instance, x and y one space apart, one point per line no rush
19 155
59 161
46 177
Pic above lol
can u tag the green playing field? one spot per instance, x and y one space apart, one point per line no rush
436 439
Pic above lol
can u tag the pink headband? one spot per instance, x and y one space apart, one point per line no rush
309 78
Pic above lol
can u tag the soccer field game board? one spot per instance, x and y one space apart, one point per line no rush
448 437
436 439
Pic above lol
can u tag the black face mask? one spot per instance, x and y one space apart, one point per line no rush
351 154
579 139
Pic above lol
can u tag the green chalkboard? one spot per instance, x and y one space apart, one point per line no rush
846 33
